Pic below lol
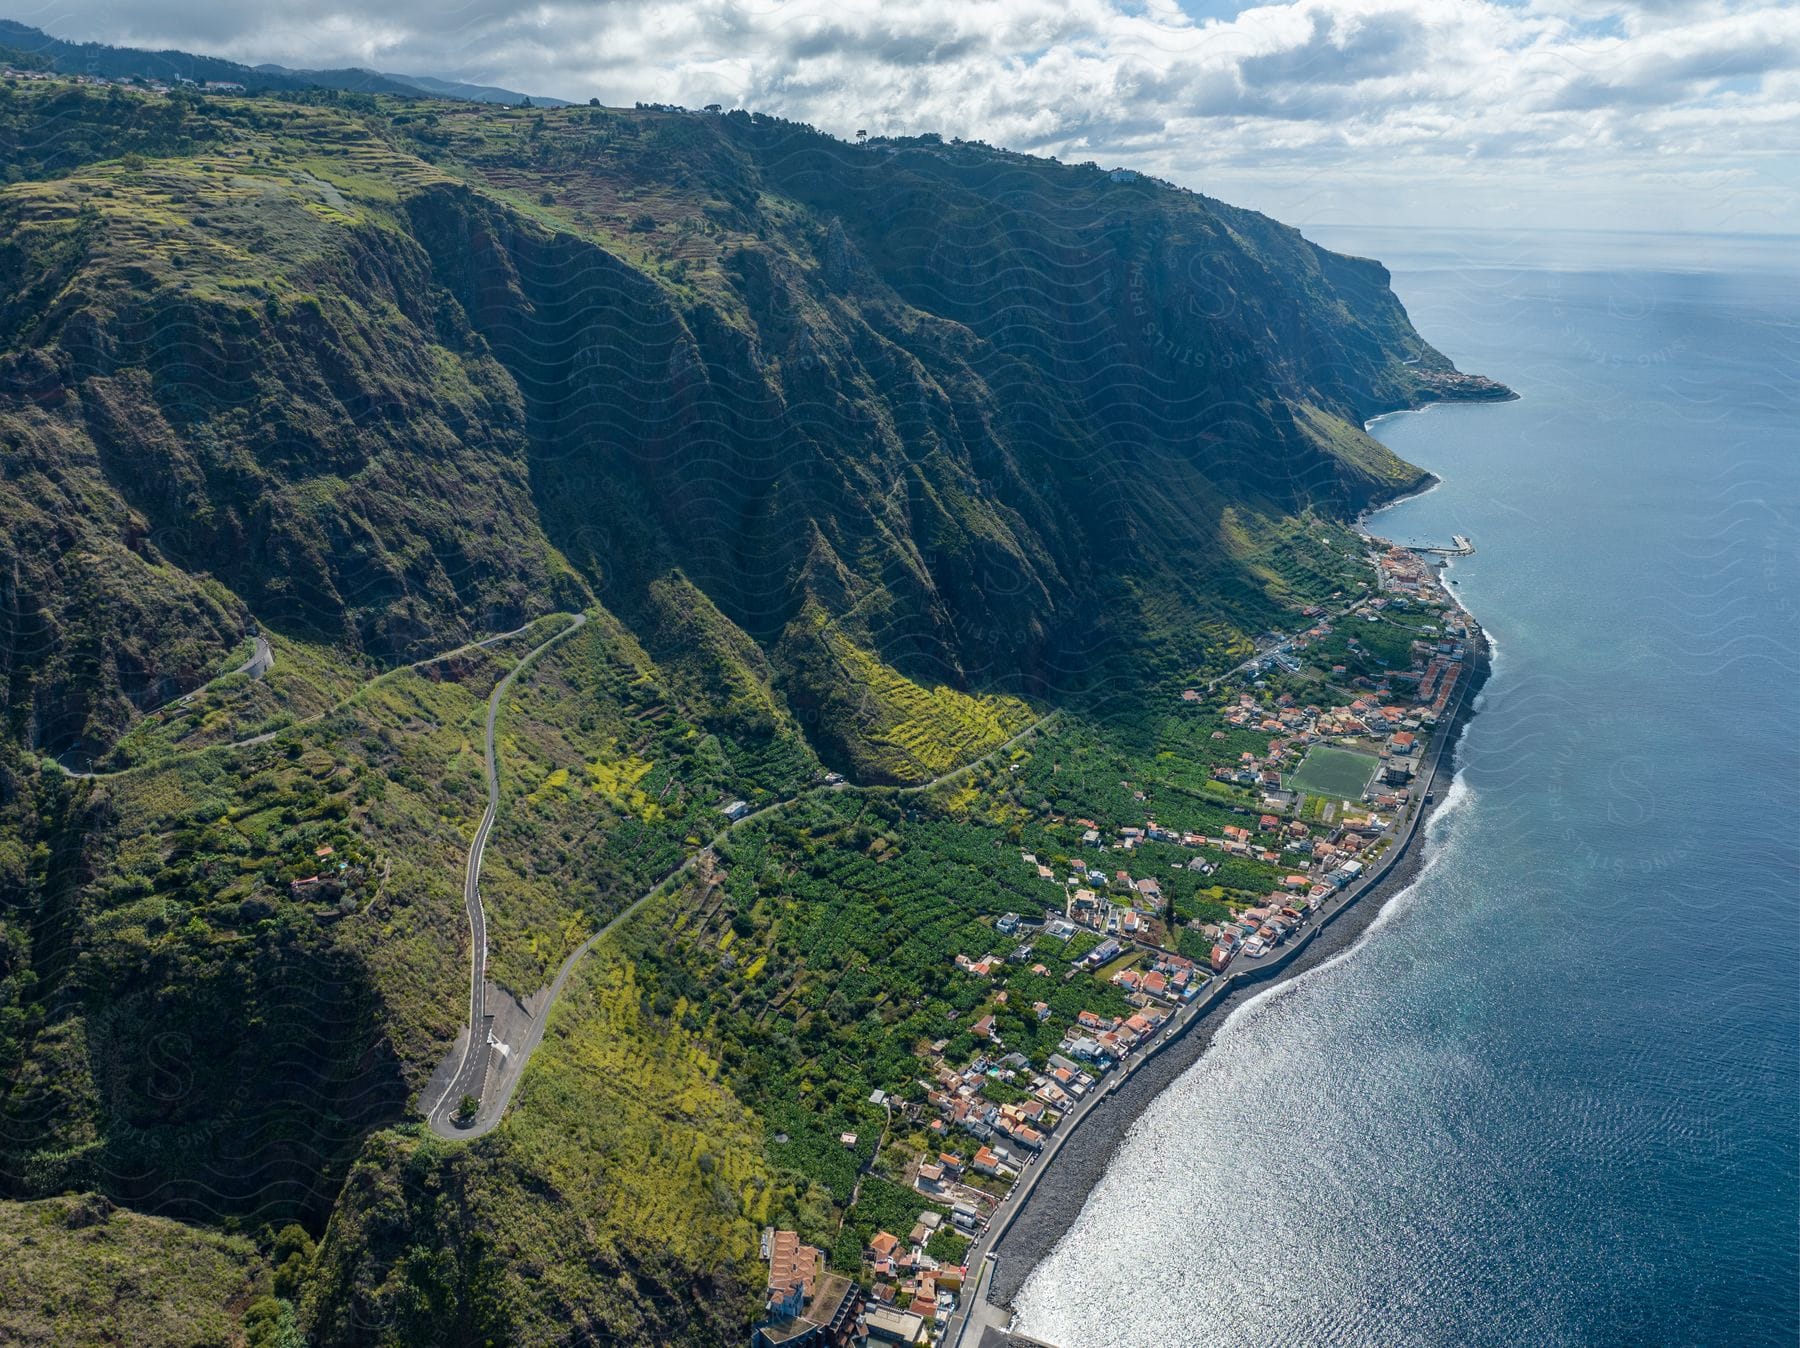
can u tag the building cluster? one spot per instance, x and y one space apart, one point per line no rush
1010 1132
153 86
805 1304
1390 731
1171 979
908 1280
910 1298
1102 1042
990 1120
1256 931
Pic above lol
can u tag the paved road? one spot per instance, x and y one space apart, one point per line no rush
261 661
492 1111
974 1311
1274 647
473 1069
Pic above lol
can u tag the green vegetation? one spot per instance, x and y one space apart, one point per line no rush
947 1245
78 1270
835 464
609 769
907 732
621 1199
1339 773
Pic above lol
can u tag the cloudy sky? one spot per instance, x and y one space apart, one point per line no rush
1636 114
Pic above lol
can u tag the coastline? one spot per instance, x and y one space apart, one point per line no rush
1060 1190
1430 481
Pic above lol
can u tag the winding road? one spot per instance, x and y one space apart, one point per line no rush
471 1075
440 1116
261 661
472 1071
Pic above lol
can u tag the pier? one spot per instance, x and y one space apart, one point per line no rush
1460 546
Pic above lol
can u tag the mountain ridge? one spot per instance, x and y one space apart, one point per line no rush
994 426
99 58
857 457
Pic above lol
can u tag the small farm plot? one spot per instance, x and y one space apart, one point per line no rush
1341 774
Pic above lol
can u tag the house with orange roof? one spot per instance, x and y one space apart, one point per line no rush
793 1264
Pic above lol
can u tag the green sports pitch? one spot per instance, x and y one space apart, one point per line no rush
1341 774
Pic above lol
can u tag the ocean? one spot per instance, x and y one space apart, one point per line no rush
1553 1095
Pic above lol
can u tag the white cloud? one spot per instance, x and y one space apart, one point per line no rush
1555 111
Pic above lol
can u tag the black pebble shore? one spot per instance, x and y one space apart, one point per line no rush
1062 1192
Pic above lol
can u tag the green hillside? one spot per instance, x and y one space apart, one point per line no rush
858 458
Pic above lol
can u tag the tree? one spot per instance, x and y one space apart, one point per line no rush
466 1109
271 1323
291 1254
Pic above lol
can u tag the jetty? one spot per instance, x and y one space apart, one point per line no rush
1460 546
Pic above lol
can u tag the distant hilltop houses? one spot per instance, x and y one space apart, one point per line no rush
126 81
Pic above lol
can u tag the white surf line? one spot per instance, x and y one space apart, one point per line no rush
1456 798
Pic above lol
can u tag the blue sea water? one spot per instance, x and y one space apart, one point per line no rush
1553 1096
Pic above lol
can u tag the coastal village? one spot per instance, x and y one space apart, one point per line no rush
1324 738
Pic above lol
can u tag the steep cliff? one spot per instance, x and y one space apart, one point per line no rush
858 456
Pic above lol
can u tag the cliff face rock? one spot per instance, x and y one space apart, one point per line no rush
1454 386
969 404
964 401
872 453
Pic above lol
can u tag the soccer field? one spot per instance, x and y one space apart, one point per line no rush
1339 773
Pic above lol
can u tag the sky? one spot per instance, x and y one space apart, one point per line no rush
1572 114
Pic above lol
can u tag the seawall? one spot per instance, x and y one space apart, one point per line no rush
1051 1197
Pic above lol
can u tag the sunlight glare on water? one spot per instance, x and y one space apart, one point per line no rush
1554 1096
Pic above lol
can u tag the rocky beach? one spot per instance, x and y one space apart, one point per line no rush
1084 1154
